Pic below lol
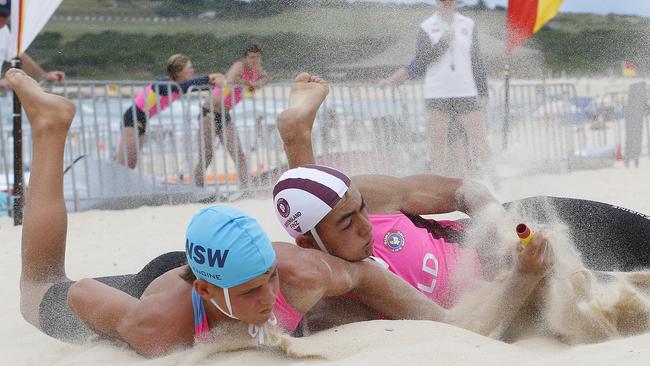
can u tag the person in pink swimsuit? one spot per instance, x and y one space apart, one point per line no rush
230 273
152 100
242 79
377 216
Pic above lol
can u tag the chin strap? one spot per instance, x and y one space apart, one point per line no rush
226 297
378 261
319 241
257 331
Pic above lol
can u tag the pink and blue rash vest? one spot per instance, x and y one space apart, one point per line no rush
239 92
435 267
288 318
154 96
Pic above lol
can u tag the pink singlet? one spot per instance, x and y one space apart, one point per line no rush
148 101
431 265
228 98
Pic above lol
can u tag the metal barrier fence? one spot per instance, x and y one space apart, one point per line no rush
362 128
540 119
563 131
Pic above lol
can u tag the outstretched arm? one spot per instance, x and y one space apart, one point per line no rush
308 275
234 74
33 68
425 54
491 309
101 307
114 313
422 194
164 87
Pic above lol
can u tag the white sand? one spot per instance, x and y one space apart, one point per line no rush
115 242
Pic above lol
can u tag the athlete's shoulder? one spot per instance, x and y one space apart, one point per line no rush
237 65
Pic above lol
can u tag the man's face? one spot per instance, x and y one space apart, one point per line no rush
253 301
4 19
346 231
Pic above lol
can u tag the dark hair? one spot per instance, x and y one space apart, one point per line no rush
187 275
252 47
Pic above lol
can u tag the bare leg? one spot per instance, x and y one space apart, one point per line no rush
127 152
45 225
234 147
473 124
438 129
206 143
456 165
295 124
476 137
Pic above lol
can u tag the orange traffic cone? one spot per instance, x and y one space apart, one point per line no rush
618 153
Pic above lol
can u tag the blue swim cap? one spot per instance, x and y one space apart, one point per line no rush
226 247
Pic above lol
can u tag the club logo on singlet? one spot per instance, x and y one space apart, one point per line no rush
394 240
283 207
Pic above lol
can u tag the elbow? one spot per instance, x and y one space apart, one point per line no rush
78 294
472 196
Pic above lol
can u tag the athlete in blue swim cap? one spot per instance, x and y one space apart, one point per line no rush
229 253
230 273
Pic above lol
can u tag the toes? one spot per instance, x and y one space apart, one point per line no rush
303 77
17 77
11 75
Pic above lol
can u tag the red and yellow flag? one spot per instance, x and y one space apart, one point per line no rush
526 17
629 69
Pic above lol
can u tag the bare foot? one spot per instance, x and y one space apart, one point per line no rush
307 94
47 113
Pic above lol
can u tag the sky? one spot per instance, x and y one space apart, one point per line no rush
626 7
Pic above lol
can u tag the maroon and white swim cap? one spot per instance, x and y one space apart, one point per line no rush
303 196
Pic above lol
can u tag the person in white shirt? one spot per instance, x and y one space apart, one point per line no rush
448 55
29 65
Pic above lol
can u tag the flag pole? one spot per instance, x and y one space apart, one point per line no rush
506 107
18 154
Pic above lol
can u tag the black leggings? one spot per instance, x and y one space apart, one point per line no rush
217 118
59 321
140 119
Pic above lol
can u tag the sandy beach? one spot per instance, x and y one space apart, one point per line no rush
115 242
